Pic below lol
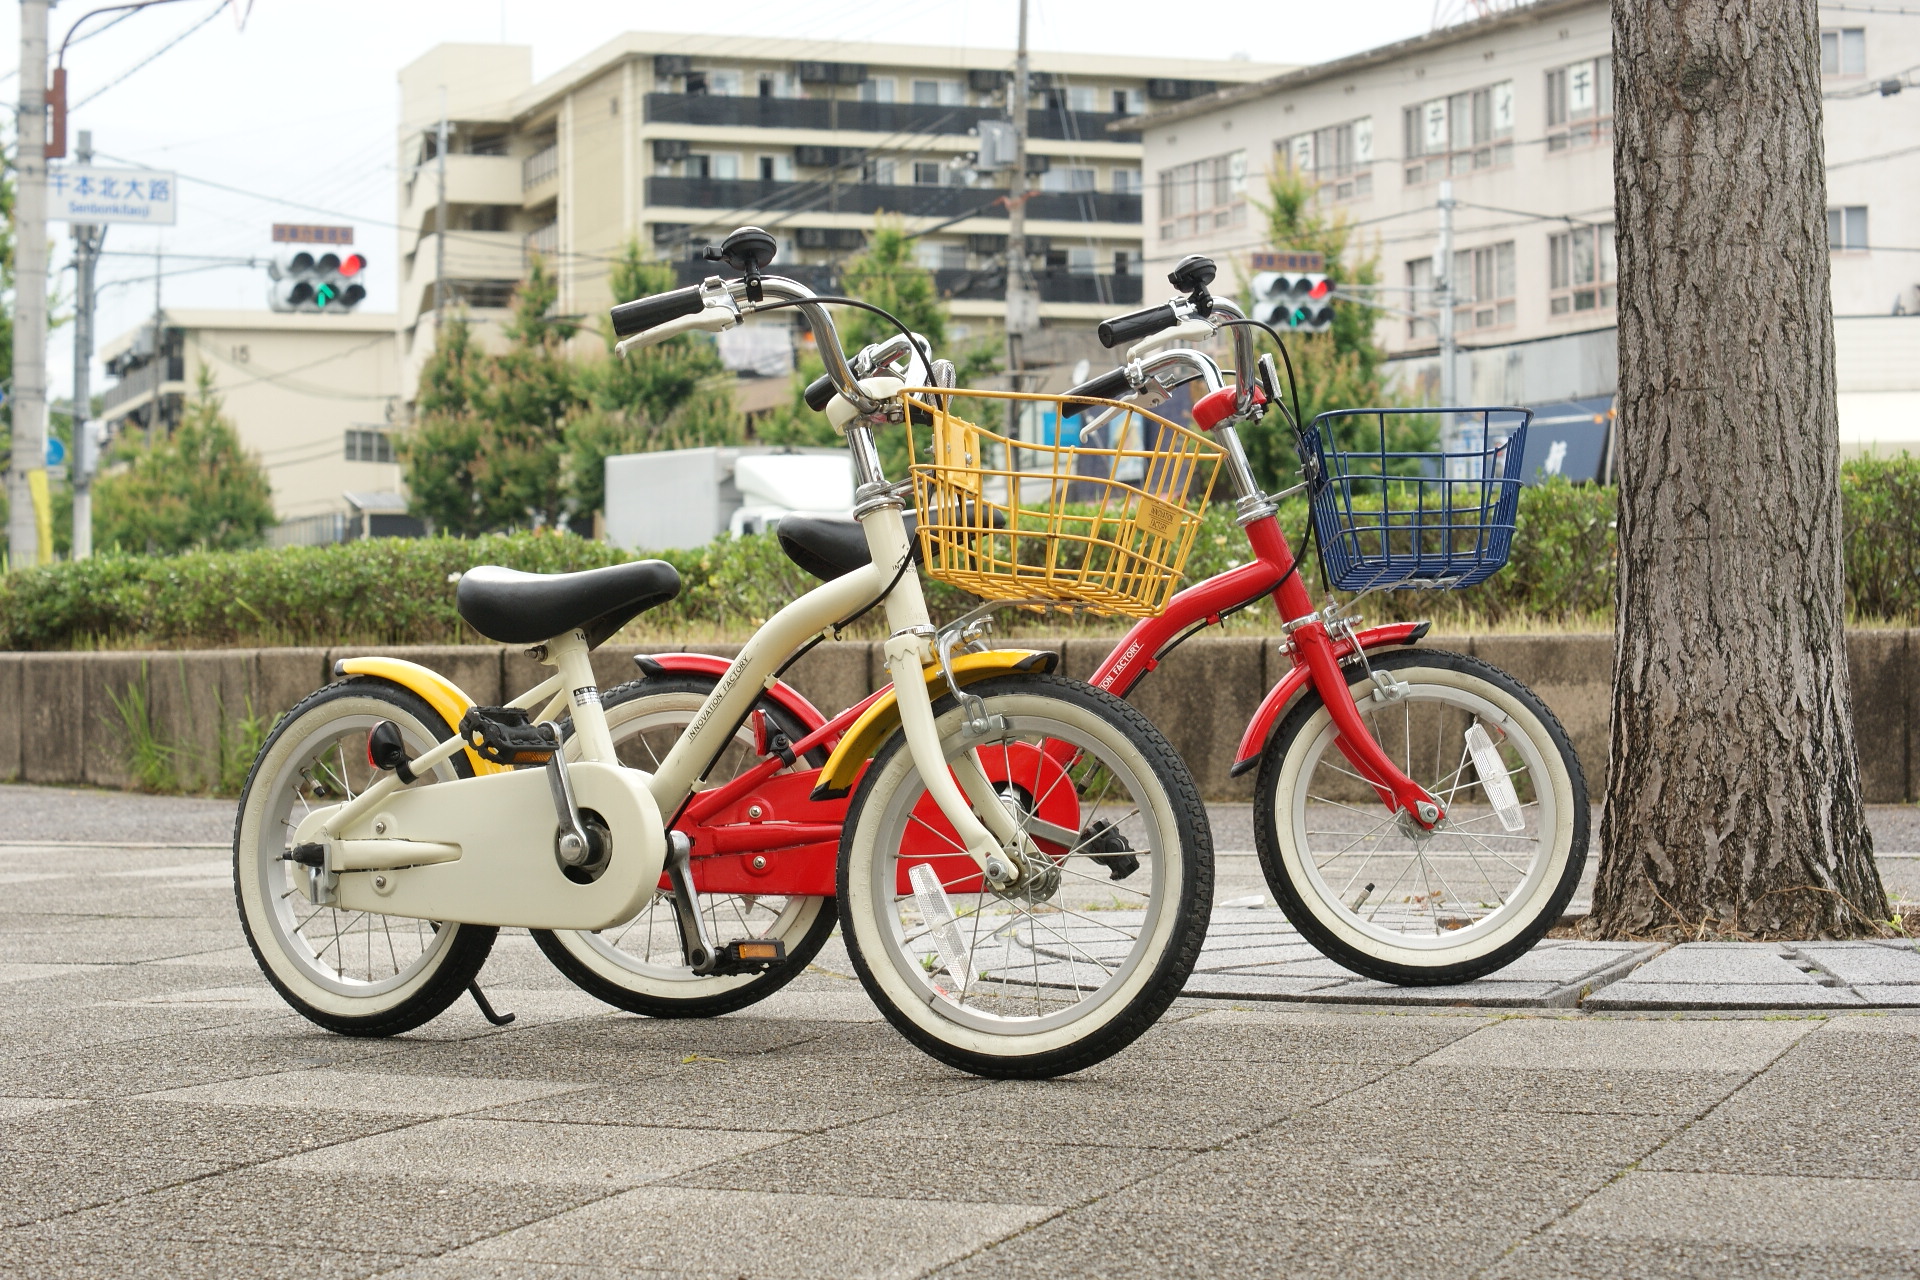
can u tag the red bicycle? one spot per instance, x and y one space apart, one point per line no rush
1420 816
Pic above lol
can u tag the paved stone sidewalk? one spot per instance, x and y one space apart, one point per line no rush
162 1114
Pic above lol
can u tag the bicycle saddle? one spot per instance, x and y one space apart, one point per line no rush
512 607
830 547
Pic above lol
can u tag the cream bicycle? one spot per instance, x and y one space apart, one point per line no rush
389 827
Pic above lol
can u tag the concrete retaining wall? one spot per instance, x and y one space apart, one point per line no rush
62 717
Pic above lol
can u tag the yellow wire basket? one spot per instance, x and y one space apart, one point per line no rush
1105 525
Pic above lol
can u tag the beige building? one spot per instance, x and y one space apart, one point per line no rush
1515 110
674 140
313 395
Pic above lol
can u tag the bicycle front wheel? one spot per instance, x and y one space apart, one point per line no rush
1375 892
1077 960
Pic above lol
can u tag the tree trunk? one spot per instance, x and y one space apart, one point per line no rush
1733 800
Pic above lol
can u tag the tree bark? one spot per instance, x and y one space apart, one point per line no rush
1733 799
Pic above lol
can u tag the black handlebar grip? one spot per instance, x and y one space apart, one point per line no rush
1136 325
820 392
1108 386
642 314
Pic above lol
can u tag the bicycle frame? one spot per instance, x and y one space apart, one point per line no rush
960 790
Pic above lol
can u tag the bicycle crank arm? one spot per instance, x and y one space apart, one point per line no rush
695 942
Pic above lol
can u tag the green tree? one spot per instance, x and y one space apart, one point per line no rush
677 395
198 488
1340 369
887 275
520 438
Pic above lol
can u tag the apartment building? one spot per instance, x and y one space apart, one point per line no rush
1515 110
312 396
674 140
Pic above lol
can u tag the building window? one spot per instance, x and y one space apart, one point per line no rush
1580 104
776 168
778 84
1126 262
1843 52
1458 134
1061 178
721 164
1581 268
878 172
1338 159
939 93
1083 99
369 446
723 84
1420 290
1483 280
927 173
1080 262
1126 182
878 89
935 256
1847 227
1203 195
1484 289
1129 102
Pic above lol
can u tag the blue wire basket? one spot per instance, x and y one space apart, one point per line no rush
1393 518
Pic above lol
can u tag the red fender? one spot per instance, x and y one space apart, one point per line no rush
784 694
1253 744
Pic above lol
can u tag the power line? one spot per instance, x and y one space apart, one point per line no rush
149 58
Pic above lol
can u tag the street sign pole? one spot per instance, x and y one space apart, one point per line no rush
30 292
86 252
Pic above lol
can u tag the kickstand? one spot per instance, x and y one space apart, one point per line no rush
486 1010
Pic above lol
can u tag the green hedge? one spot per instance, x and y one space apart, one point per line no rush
391 591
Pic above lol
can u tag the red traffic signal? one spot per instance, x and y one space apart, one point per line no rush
352 265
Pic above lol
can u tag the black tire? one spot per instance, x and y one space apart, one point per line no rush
450 955
598 966
1448 690
1174 902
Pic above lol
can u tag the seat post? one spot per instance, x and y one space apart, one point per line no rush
571 657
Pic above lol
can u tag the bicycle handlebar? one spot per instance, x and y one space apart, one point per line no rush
1110 385
642 314
1137 324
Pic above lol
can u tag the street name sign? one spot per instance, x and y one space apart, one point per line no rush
86 194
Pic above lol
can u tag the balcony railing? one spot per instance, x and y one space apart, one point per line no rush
540 166
985 285
544 240
868 117
748 195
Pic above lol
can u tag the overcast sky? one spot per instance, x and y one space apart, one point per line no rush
301 105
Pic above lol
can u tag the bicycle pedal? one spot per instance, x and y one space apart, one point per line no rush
505 735
1109 848
749 955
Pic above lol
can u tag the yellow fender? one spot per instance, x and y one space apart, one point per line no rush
440 693
877 723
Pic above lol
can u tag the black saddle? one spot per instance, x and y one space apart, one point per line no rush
525 608
830 547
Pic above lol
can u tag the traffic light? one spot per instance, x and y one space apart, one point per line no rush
329 282
1300 301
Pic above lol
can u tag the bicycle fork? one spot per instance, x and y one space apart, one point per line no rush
1313 646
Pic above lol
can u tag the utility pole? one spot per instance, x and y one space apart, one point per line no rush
440 219
86 252
158 361
1023 308
30 288
1443 323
